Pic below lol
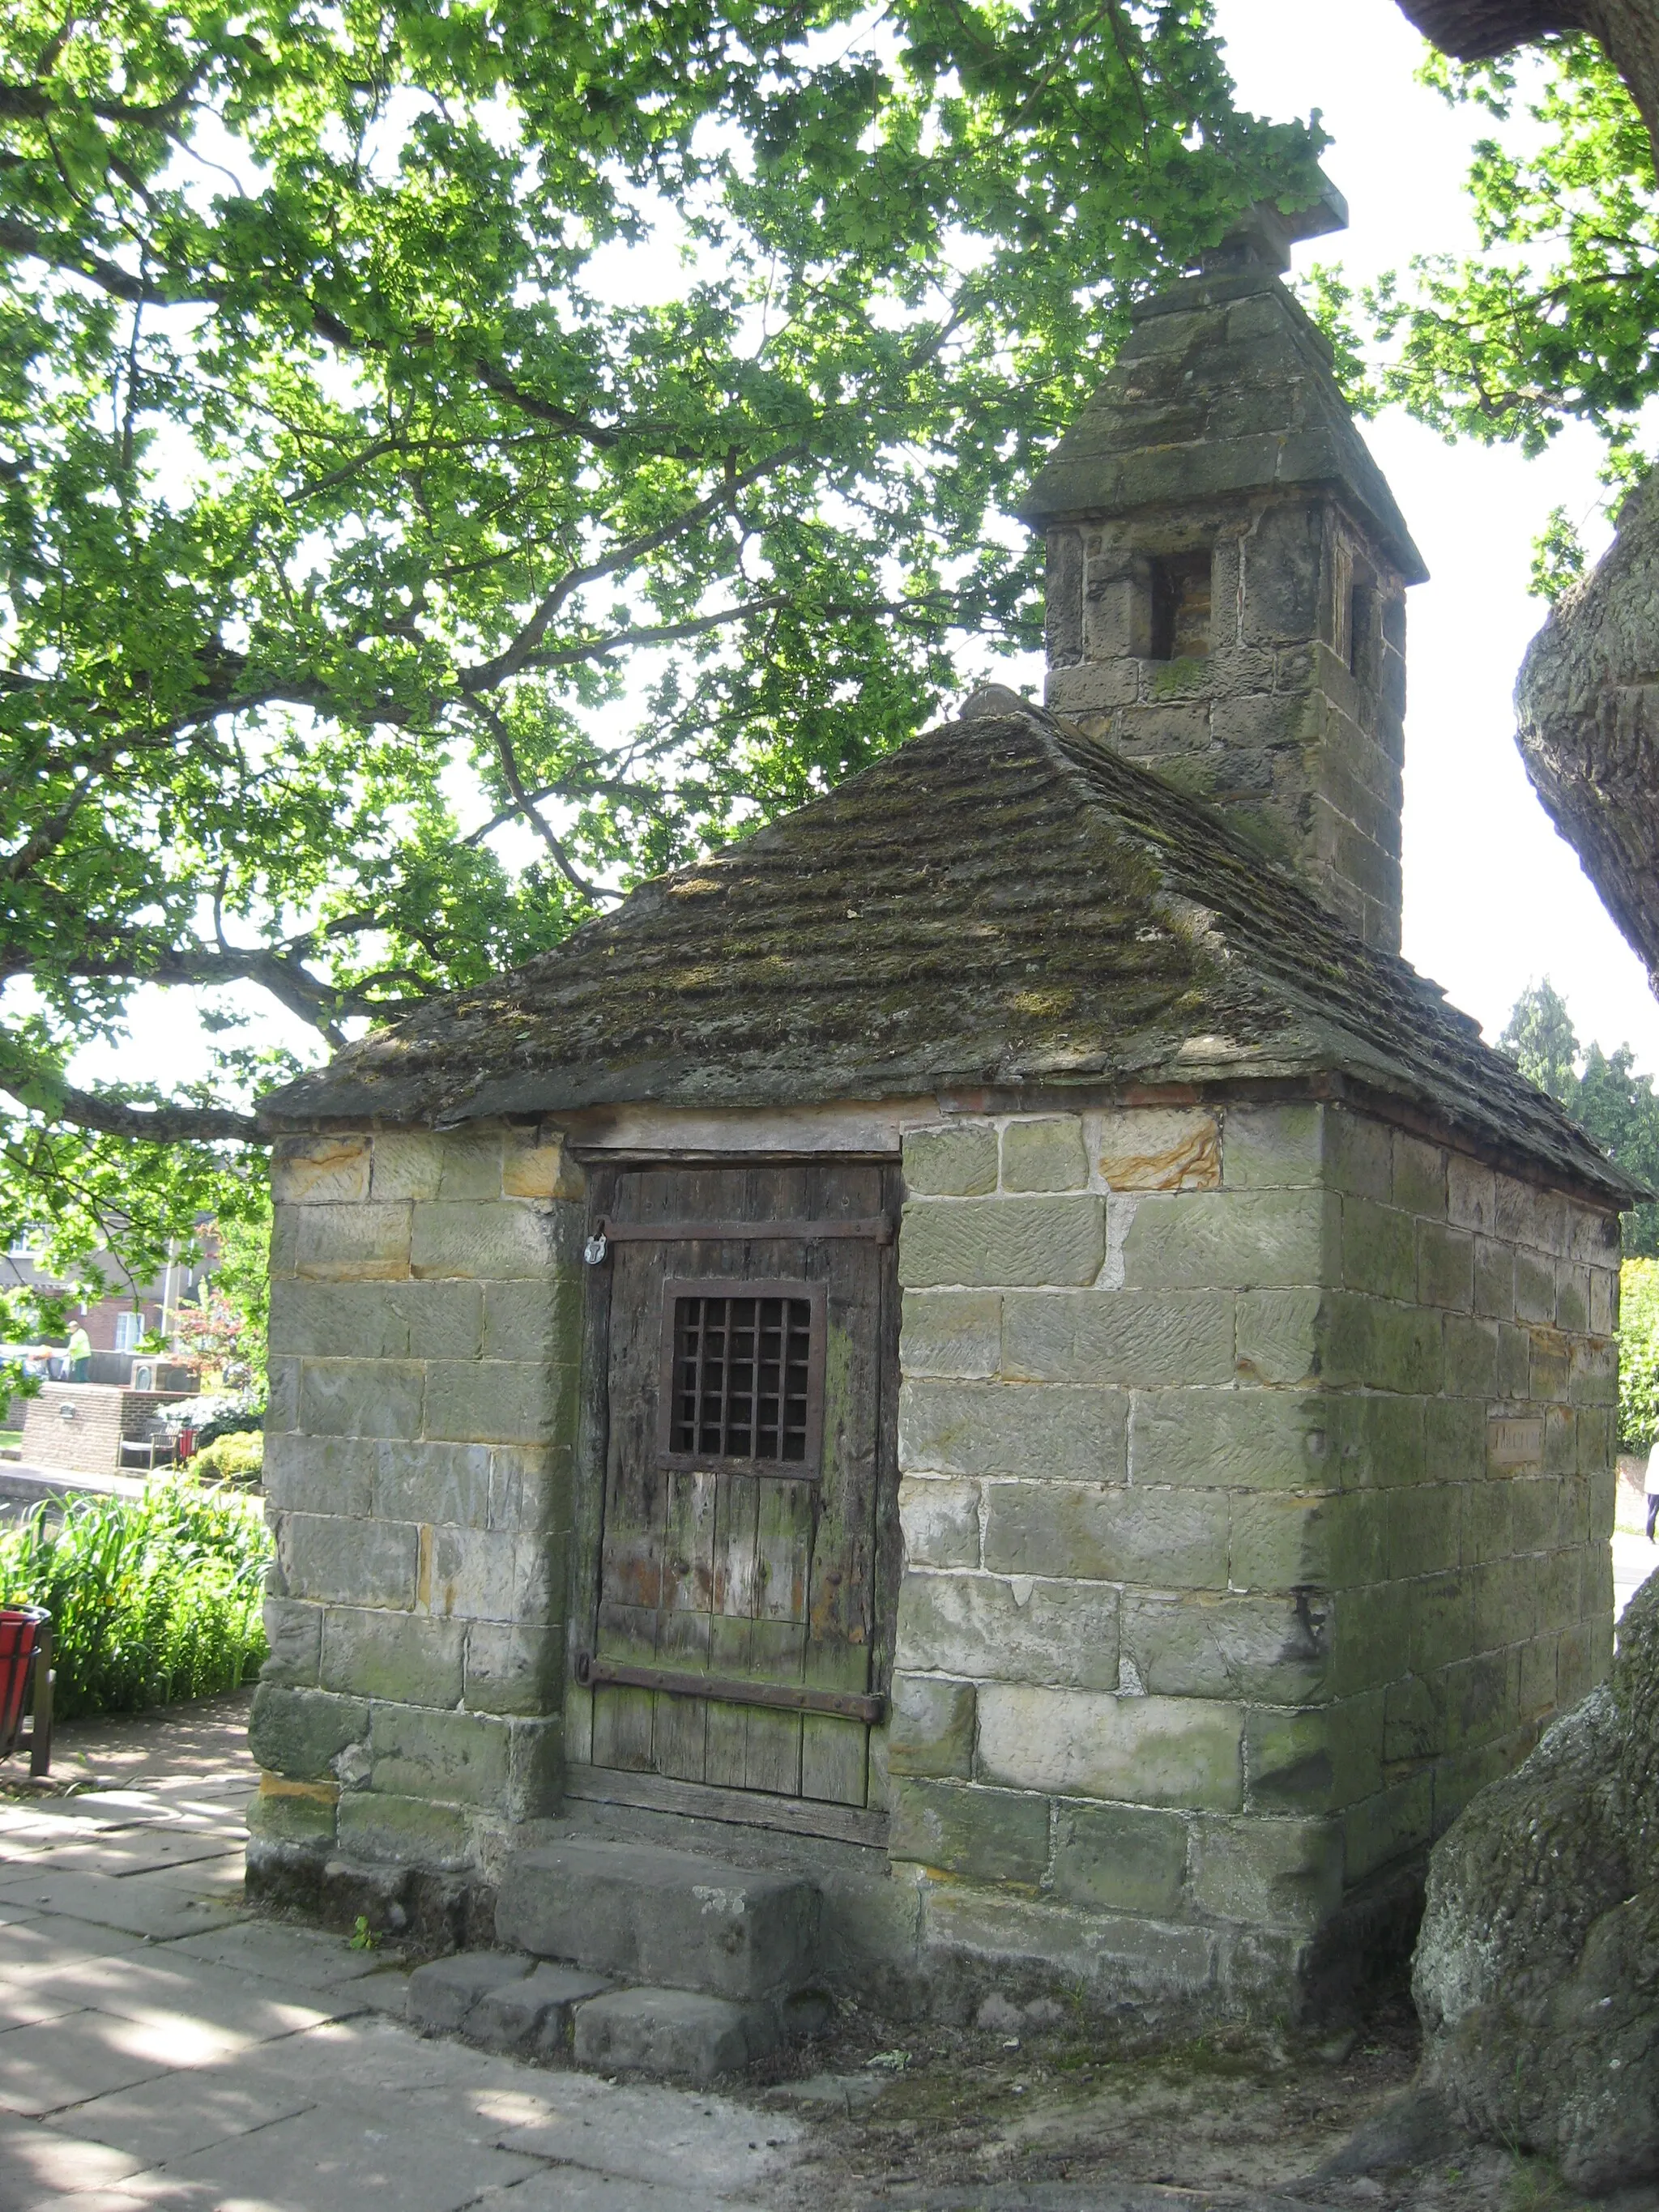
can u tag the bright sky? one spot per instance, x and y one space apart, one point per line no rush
1494 899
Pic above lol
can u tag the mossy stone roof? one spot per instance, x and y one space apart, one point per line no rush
1224 387
1004 900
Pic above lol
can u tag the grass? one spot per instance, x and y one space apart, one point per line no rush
151 1599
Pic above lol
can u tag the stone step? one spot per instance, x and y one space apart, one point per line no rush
667 1919
673 2033
503 2000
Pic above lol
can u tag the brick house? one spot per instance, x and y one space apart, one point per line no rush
991 1353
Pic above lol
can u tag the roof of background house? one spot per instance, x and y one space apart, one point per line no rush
1223 386
1003 901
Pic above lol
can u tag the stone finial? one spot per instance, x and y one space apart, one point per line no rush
1266 232
1227 569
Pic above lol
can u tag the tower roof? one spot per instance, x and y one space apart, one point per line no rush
1223 387
1004 900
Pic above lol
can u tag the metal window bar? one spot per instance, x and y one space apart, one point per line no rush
741 1377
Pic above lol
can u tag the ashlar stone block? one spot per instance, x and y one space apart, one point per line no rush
958 1161
294 1634
512 1239
513 1667
1265 1650
957 1334
1118 1336
407 1166
1045 1154
1379 1249
1268 1873
300 1733
458 1758
1158 1148
1282 1542
388 1830
488 1402
1231 1240
1265 1146
1002 1241
1070 1432
324 1555
1181 1752
1277 1335
939 1517
361 1397
983 1835
333 1243
316 1170
930 1729
1014 1629
369 1653
1166 1539
1247 1439
1121 1858
1419 1176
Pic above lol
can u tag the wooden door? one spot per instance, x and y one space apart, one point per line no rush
746 1471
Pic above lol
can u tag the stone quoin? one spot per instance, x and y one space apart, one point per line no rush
989 1356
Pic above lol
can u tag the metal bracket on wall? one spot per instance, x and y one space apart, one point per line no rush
594 1673
873 1229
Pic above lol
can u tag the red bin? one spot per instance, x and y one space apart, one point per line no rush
25 1649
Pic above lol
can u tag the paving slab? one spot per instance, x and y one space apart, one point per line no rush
40 2167
152 2064
58 2063
299 1958
130 1851
569 2189
330 2157
651 2132
157 1905
154 2125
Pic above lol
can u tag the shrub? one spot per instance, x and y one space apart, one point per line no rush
238 1456
1638 1354
151 1599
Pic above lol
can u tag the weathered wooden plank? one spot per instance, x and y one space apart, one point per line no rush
772 1747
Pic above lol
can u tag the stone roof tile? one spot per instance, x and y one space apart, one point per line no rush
1004 900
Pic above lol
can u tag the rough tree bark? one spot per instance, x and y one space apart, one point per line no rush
1588 712
1629 29
1588 701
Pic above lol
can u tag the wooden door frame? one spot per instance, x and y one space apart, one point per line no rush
799 1816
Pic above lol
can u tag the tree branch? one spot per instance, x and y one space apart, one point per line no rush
524 804
487 674
47 1095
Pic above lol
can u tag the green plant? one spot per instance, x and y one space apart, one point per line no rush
1638 1354
361 1937
151 1599
237 1456
457 461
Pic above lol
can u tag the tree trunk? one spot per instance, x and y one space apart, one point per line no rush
1629 29
1588 708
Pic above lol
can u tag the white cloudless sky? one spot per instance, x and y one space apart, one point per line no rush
1494 899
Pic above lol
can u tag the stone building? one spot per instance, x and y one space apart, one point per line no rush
990 1359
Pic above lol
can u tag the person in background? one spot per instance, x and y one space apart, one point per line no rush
1652 1486
80 1354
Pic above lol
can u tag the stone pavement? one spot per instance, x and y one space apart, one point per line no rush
161 2048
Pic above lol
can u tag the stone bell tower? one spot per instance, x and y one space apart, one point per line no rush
1227 573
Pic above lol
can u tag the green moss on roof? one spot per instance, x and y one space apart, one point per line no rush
1004 900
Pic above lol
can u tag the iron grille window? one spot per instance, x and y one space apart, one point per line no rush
743 1380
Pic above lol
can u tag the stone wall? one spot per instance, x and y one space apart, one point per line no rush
83 1426
424 1340
1293 722
1257 1479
